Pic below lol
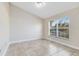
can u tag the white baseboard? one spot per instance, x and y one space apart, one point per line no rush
69 45
13 42
5 49
63 43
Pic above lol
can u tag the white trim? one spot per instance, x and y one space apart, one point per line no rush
13 42
5 50
63 43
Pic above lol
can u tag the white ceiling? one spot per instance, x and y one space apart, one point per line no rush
50 9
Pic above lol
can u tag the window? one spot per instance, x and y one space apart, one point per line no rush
60 27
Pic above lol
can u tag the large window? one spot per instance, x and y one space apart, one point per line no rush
60 27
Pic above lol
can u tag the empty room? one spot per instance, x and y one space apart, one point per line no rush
39 28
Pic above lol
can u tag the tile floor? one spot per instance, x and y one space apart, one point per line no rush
40 48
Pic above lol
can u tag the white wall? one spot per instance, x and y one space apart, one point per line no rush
24 26
73 28
4 27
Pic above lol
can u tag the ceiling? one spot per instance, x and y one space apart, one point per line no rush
50 9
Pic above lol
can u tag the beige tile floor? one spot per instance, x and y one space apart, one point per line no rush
40 48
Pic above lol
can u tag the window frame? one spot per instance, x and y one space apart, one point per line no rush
57 32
